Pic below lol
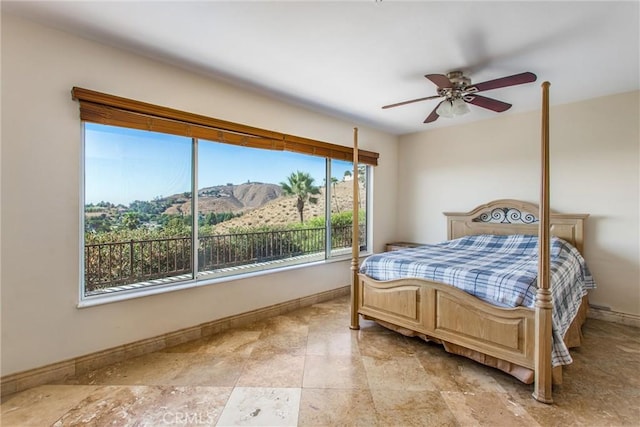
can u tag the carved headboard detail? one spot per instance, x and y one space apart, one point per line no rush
506 216
509 216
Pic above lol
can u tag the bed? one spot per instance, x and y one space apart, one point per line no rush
475 293
518 340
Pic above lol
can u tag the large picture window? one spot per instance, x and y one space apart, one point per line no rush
255 209
173 198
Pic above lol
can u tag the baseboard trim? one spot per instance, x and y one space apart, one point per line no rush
614 316
57 372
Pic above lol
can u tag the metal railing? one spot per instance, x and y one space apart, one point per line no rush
113 264
119 263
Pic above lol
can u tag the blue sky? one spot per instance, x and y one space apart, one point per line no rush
122 165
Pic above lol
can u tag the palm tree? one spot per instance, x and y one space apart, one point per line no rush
300 184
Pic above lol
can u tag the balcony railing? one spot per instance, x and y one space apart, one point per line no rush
118 264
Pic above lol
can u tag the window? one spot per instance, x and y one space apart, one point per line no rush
136 230
172 198
258 209
341 213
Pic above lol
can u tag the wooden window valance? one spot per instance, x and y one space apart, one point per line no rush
113 110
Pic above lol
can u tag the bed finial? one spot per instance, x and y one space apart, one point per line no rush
355 239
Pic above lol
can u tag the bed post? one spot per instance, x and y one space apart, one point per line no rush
355 238
543 307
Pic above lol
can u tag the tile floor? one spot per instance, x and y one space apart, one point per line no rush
308 368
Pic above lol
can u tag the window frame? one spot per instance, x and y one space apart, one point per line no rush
108 114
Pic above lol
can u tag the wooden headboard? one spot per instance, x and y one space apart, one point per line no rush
508 216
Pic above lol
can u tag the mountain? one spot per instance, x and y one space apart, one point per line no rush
282 210
229 198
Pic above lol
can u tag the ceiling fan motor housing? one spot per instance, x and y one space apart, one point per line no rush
458 85
458 80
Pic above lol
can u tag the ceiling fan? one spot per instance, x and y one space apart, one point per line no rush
457 91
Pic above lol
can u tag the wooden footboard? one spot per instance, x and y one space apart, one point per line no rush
451 315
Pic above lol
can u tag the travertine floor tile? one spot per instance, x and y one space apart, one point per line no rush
575 410
417 418
487 409
285 324
43 405
327 407
330 371
442 368
148 406
329 317
280 370
396 373
151 369
236 342
281 343
327 322
450 372
257 406
336 343
168 369
384 344
412 408
220 371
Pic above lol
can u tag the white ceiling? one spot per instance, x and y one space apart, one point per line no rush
350 58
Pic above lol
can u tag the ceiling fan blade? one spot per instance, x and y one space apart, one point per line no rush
488 103
433 116
410 101
439 80
516 79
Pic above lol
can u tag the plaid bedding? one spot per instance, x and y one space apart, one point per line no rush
501 270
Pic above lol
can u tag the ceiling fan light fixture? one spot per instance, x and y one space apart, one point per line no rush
459 107
452 107
445 109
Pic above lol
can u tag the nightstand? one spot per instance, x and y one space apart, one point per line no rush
401 245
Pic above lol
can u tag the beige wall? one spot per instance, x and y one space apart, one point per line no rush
594 169
41 190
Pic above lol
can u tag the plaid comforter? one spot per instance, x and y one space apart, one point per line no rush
501 270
